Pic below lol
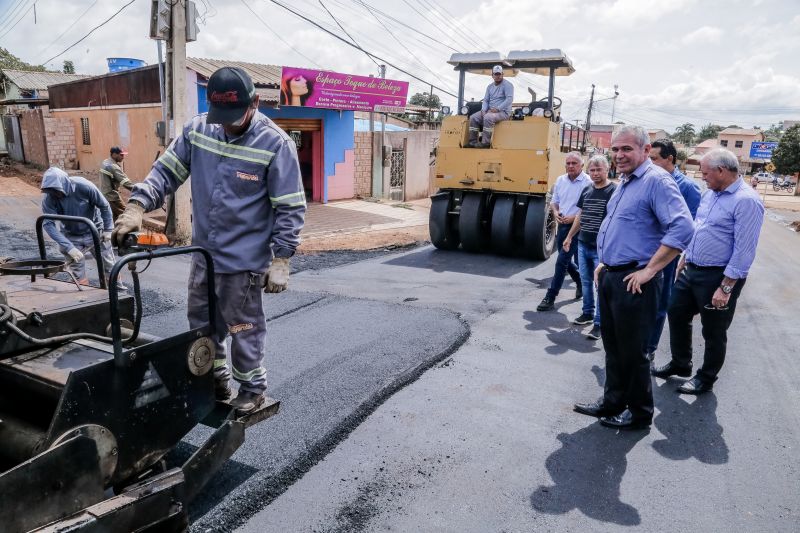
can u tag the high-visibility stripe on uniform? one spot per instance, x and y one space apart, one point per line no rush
178 170
247 376
292 199
106 172
245 153
220 362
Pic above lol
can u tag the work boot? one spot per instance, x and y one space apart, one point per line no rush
222 389
246 402
473 138
547 303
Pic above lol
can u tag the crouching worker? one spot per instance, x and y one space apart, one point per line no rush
78 197
248 206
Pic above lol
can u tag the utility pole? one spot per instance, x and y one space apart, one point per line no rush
614 103
588 120
377 153
180 228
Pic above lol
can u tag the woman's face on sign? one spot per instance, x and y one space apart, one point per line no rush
298 85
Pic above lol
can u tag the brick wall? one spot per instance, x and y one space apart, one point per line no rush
363 164
61 142
32 129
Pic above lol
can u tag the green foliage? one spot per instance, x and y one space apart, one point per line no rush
773 133
682 155
427 100
684 134
709 131
9 60
69 67
786 156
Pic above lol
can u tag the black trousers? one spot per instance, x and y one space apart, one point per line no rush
626 325
565 262
691 293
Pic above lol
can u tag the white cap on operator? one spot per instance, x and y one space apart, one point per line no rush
496 69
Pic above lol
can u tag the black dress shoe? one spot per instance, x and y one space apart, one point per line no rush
597 409
671 369
624 420
546 304
695 386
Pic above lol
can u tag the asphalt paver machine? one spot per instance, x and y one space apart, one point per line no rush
90 406
496 199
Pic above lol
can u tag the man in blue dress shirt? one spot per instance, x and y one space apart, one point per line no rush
713 270
647 226
664 154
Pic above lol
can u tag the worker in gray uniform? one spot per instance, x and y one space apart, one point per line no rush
78 197
112 177
496 107
248 206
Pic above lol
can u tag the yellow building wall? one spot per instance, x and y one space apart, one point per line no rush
132 128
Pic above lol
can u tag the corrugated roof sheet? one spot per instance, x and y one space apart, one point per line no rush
739 131
30 80
261 74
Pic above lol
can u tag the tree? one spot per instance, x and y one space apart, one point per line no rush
709 131
786 156
773 133
69 67
426 100
684 134
9 60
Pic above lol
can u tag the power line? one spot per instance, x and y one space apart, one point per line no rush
452 39
287 8
21 17
284 41
67 49
345 32
12 12
43 50
401 42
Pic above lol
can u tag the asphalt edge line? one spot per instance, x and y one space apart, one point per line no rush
266 491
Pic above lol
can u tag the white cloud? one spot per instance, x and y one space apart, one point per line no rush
703 35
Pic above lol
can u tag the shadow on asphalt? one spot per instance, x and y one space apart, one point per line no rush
690 429
563 336
587 472
463 263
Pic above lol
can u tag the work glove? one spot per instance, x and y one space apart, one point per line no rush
106 236
75 255
277 278
130 220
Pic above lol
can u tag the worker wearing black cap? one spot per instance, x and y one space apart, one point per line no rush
112 177
248 206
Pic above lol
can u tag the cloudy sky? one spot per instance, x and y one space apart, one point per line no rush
675 61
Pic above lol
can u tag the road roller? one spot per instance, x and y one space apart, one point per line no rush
90 405
496 199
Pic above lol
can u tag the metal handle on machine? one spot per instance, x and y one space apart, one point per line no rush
95 239
113 297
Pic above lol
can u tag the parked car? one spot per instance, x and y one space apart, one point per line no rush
767 177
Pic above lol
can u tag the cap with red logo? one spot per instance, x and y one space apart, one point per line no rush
118 150
230 92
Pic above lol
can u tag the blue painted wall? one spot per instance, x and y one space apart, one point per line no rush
202 104
337 128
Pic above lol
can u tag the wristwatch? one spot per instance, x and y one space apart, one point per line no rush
727 289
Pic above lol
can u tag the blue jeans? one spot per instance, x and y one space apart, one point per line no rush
587 262
564 263
663 305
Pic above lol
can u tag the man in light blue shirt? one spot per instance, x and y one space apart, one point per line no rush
496 108
646 226
713 270
566 193
664 154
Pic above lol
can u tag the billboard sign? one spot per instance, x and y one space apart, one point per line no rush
762 150
332 90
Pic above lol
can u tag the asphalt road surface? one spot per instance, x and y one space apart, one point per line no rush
488 441
421 391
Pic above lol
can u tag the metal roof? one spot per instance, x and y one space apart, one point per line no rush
530 61
28 80
261 74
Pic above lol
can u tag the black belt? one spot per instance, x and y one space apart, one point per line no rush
699 267
633 265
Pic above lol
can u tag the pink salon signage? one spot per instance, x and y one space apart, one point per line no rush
332 90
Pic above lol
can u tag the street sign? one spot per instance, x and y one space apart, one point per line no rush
770 167
762 150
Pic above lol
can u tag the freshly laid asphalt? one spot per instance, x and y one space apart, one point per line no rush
421 391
